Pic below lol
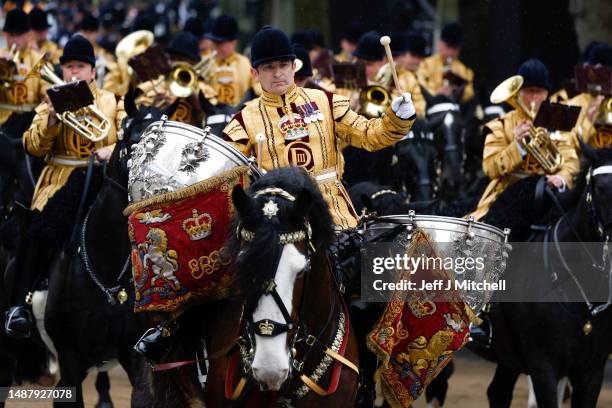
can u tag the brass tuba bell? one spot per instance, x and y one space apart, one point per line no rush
538 143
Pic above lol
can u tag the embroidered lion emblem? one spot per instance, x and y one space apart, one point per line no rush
160 260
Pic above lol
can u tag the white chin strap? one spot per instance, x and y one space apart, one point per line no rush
602 170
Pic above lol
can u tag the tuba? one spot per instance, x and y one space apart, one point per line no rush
538 143
184 78
88 122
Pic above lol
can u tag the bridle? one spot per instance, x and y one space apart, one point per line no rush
295 328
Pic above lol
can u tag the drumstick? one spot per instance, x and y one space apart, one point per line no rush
260 139
385 41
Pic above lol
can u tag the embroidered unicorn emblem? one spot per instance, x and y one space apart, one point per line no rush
163 262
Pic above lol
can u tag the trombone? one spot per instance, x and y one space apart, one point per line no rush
88 122
538 143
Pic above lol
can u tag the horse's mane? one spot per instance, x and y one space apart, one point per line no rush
256 263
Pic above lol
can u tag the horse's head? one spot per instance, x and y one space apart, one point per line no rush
280 221
418 161
444 120
598 193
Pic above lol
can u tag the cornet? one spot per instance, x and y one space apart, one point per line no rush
88 122
183 79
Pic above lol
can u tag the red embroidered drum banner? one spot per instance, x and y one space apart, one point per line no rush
416 337
178 253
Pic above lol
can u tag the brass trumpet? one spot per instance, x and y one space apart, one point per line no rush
373 101
538 143
88 122
183 79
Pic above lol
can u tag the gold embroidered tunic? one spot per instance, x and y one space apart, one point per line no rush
23 93
62 148
504 165
232 78
431 75
316 146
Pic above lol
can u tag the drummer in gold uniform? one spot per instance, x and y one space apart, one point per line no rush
505 160
231 72
59 188
182 49
408 52
40 30
307 127
22 94
432 70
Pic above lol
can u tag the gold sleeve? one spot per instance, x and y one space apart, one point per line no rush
237 136
424 75
367 134
499 157
567 145
38 139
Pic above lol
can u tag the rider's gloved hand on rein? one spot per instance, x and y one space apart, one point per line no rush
403 106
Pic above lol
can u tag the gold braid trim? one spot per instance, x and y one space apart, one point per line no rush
187 192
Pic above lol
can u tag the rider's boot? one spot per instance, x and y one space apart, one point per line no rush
157 343
482 335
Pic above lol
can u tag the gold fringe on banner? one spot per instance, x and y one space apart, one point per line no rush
187 192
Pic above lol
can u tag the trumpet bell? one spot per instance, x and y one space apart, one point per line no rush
373 101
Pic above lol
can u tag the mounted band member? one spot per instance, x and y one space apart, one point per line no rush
505 160
182 49
591 104
40 29
231 72
441 72
408 52
22 94
60 187
89 28
321 124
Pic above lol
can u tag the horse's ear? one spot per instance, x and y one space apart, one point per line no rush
129 102
242 201
205 105
589 151
170 109
302 203
367 203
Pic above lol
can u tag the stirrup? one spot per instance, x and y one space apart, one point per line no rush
18 322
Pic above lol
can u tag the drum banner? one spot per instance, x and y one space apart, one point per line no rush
416 337
178 253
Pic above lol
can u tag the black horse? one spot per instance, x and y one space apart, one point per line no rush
86 323
417 167
445 121
18 171
551 340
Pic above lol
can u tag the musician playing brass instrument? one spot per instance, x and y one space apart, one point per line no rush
231 72
184 53
58 192
40 30
20 94
505 159
591 104
434 70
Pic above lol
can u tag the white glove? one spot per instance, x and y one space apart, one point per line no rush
403 106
